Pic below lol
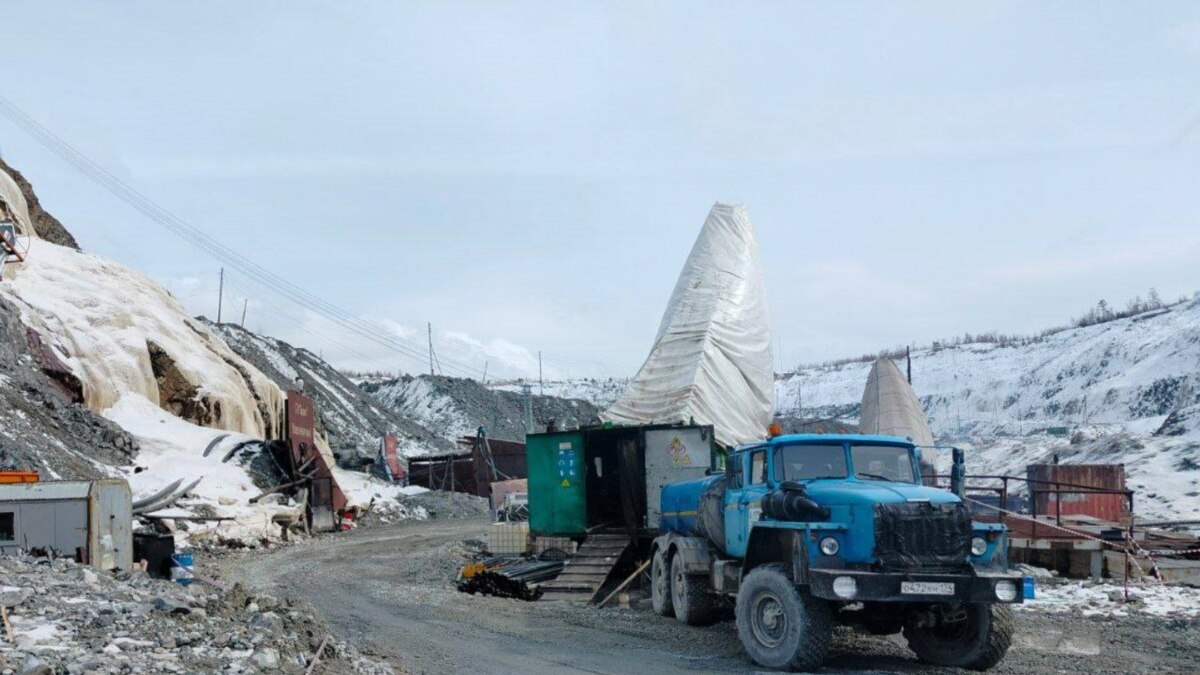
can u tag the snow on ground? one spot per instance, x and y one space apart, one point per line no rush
1107 599
101 315
173 449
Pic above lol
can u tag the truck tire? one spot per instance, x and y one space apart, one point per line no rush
660 585
690 596
978 643
782 627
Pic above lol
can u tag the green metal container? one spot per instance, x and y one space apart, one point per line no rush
557 493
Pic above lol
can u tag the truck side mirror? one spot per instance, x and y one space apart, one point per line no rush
958 473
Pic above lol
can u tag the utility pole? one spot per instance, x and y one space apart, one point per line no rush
430 326
220 294
245 302
541 389
485 365
525 390
908 360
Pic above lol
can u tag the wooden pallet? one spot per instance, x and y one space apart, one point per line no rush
587 570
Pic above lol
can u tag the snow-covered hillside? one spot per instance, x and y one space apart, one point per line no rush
1113 373
105 374
349 417
600 392
122 334
455 407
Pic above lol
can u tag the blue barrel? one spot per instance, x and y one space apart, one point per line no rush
1027 588
181 571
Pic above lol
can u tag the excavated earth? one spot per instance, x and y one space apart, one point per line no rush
391 589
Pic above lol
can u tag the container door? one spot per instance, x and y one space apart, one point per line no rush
673 455
557 496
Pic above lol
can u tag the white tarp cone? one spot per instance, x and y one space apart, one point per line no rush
712 358
890 407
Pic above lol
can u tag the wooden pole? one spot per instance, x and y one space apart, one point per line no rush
312 665
625 583
220 294
430 327
245 302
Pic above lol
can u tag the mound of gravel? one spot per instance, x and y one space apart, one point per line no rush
69 618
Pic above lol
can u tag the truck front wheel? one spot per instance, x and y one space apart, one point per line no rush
660 585
977 642
689 595
781 626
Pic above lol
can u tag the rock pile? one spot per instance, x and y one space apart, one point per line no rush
68 618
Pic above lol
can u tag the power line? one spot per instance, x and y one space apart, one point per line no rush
164 218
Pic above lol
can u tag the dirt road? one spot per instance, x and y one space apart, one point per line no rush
390 591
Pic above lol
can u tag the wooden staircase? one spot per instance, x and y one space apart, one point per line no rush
587 570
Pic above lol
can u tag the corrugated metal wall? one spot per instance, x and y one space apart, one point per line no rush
1043 478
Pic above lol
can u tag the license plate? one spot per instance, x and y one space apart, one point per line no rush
927 587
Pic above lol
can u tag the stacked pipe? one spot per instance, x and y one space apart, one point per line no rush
510 577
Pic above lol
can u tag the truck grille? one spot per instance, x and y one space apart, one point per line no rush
920 535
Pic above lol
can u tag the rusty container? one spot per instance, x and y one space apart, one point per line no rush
1056 490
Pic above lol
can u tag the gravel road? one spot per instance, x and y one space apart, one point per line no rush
389 590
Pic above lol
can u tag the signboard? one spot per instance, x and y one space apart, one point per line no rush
325 497
674 454
300 422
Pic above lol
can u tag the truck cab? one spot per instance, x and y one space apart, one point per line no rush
804 531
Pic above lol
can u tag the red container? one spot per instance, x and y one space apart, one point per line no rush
1056 490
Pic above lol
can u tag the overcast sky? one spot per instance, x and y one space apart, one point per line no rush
532 176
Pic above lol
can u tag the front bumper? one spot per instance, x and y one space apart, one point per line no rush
886 586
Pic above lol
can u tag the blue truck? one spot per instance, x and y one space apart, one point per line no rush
803 532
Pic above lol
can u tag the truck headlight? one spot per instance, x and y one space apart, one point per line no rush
845 587
830 546
1006 591
978 546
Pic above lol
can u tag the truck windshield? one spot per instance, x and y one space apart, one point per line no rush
804 462
882 462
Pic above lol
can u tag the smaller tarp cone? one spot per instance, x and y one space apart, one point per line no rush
890 407
711 360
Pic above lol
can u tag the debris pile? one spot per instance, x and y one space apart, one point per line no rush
508 577
68 618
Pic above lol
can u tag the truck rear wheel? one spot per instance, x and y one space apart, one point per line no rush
780 626
660 585
689 595
979 642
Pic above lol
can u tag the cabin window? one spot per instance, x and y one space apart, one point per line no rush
735 471
806 462
758 467
8 530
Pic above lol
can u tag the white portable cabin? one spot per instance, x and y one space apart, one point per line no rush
90 521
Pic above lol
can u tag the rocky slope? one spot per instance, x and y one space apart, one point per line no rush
45 426
454 407
351 418
46 225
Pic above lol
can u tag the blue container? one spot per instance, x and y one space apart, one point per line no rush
1027 588
181 572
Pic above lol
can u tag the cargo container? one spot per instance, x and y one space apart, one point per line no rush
90 521
1096 490
610 477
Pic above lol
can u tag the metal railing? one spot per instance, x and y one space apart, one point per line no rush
975 484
